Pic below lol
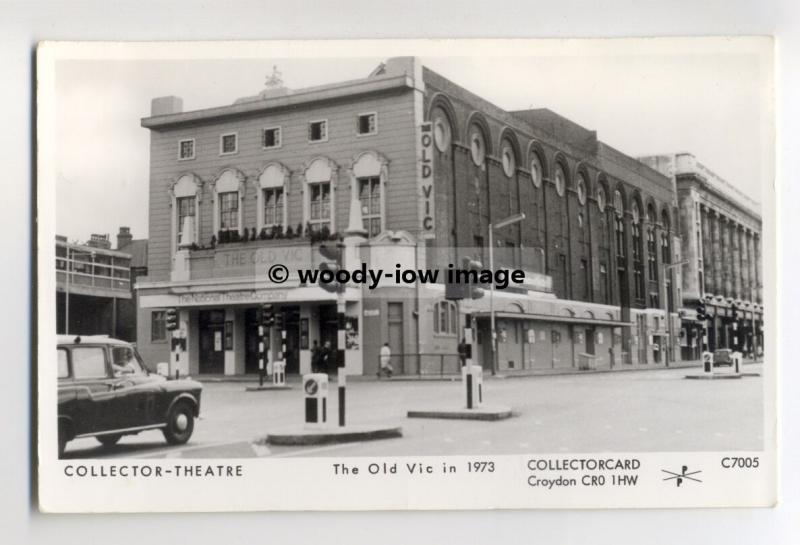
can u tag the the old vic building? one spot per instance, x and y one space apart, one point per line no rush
406 167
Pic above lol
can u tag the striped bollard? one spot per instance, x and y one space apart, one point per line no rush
341 339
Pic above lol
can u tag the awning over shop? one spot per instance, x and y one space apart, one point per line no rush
552 318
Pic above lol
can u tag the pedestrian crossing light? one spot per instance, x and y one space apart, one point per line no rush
172 319
267 318
330 266
701 312
279 320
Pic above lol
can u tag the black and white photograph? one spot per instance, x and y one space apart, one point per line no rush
540 266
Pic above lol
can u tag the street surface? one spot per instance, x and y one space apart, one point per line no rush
635 411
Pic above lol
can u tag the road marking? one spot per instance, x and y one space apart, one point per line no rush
178 452
306 452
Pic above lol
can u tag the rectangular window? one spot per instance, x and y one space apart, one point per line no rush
186 149
186 208
586 279
228 144
273 207
229 211
318 131
369 194
319 205
367 124
158 325
89 362
271 138
604 282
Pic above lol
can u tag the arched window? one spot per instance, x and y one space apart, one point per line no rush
369 178
652 271
636 236
580 187
442 130
445 318
229 191
319 211
272 193
665 234
477 145
185 197
602 199
619 225
560 179
537 170
509 159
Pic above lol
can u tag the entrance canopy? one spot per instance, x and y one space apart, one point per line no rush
552 318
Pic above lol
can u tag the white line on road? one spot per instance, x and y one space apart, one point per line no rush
306 452
175 453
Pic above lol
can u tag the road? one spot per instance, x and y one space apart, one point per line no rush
635 411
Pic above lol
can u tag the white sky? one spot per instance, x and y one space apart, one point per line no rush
712 99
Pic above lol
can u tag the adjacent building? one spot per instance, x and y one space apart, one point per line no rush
720 229
93 289
421 167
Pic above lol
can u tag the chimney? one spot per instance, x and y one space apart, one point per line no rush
124 237
166 105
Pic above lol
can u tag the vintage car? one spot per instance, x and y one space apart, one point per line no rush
105 391
723 356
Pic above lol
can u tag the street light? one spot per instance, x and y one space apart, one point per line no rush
670 334
499 225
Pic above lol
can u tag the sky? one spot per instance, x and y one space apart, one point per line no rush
710 98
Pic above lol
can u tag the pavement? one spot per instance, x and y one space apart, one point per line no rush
655 410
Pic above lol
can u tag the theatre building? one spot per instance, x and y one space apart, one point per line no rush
721 231
407 169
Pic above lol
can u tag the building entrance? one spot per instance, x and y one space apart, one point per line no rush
212 341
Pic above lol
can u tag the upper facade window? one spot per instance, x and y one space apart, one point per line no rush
537 172
367 124
445 318
186 149
369 195
271 138
228 144
477 146
581 188
319 205
229 211
318 131
442 134
509 160
561 180
601 198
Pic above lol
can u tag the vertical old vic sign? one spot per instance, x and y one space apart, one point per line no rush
426 180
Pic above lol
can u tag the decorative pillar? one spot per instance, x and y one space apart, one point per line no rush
736 255
745 263
708 264
724 256
717 252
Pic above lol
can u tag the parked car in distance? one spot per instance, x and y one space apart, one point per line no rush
723 356
106 391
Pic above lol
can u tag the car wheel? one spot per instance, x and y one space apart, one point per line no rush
180 424
109 440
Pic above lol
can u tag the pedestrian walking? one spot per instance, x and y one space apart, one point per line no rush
386 361
325 357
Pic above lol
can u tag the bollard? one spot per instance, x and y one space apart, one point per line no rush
279 373
473 385
315 387
708 363
736 356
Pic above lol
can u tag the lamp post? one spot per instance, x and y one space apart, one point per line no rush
499 225
67 271
666 267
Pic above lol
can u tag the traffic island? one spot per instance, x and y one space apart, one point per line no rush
325 436
710 376
486 413
267 387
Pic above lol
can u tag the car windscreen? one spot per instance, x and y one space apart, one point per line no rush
125 361
89 362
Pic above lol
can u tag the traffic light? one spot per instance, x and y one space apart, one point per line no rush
701 311
464 283
172 319
474 291
331 264
279 320
267 318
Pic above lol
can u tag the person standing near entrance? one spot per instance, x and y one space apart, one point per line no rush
386 361
462 352
315 354
325 357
